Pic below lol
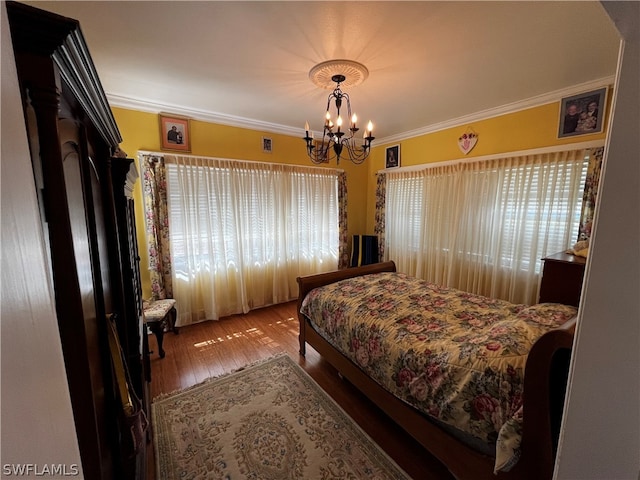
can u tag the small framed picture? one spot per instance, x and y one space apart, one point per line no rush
267 145
392 157
582 114
175 133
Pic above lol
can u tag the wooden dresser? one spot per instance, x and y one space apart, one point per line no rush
562 277
84 194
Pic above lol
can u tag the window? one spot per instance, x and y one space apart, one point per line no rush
483 227
241 232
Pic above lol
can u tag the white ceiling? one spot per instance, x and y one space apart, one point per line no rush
430 63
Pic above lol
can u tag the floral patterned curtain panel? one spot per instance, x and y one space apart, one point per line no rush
154 191
379 228
590 193
343 253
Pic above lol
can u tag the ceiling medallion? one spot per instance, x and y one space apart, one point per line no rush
336 139
322 74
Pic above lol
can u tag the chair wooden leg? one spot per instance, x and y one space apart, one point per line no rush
173 317
157 329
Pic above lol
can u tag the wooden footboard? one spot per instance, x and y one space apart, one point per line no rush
544 388
308 283
545 383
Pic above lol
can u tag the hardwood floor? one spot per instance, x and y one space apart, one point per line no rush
213 348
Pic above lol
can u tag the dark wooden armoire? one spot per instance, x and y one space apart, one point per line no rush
84 190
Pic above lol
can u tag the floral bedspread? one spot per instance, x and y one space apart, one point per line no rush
456 356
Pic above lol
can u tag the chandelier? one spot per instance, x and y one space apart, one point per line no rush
339 140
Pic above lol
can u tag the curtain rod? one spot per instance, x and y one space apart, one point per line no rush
168 154
518 153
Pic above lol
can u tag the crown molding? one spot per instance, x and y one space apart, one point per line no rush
202 115
520 105
241 122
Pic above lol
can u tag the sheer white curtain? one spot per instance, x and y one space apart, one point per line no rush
241 232
483 226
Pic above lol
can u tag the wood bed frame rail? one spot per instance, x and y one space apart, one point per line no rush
544 388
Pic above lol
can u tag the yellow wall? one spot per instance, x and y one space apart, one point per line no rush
141 131
527 129
523 130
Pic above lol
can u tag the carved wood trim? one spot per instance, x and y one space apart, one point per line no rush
46 34
130 181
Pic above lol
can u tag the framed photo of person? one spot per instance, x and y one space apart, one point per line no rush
267 145
392 156
175 133
583 113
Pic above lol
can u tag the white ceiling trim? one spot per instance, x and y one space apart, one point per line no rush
241 122
202 115
502 110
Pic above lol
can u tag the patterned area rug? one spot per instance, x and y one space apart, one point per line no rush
268 421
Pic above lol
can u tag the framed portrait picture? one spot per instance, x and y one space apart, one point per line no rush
582 114
392 157
267 145
175 133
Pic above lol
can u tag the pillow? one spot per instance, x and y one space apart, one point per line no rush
552 314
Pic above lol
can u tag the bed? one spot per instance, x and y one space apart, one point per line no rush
478 382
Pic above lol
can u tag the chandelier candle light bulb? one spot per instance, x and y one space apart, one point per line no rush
367 133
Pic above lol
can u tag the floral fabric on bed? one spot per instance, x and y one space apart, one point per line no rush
456 356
